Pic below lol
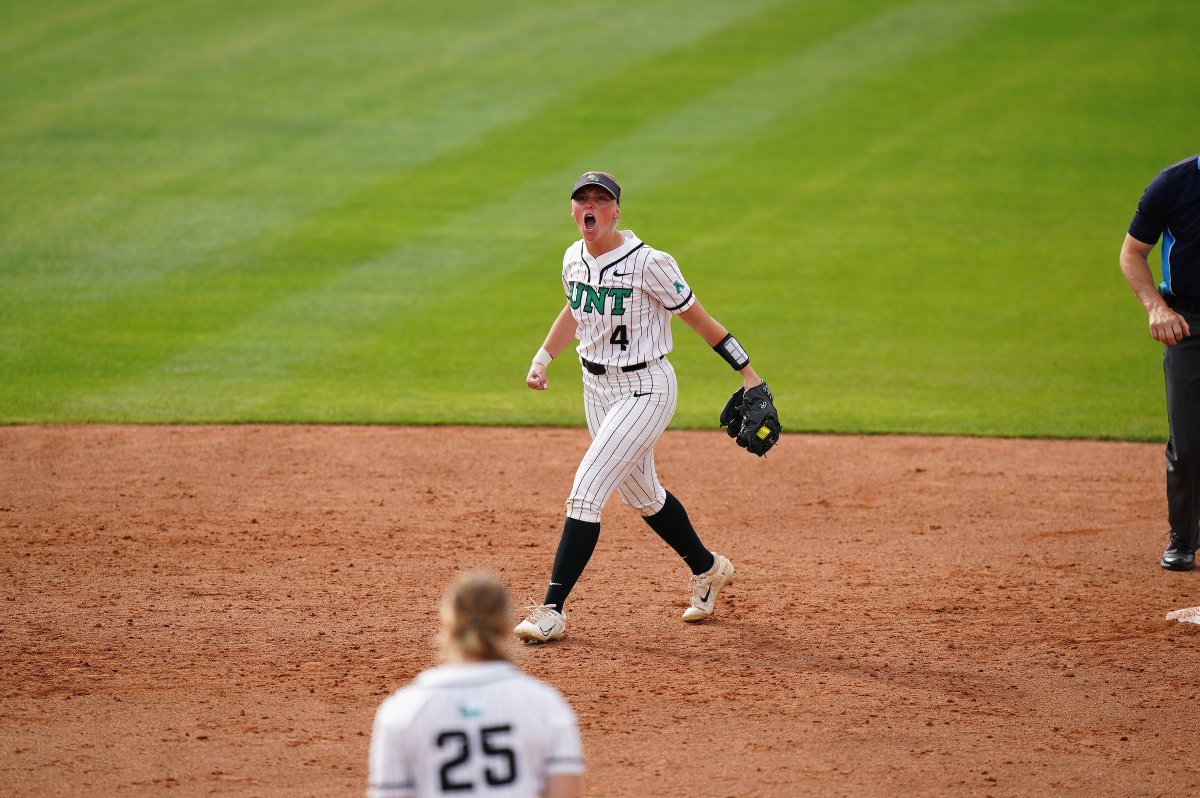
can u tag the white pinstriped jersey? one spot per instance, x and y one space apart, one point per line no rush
623 301
476 729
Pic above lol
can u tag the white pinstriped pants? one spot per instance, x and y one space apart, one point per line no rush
624 429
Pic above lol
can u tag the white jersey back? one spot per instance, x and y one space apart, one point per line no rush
477 729
623 301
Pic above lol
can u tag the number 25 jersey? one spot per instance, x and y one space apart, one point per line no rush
475 729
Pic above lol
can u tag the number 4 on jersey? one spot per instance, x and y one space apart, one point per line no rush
620 336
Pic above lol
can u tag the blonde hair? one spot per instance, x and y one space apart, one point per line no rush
476 617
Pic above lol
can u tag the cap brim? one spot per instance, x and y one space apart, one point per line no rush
600 181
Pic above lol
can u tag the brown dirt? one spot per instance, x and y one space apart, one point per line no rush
219 610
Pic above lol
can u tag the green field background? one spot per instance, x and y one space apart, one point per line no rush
355 211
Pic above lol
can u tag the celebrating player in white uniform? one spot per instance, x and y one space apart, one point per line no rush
621 295
476 726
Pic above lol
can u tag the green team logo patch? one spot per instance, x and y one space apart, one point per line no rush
679 288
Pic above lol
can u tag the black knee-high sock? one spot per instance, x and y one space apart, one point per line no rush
575 548
672 525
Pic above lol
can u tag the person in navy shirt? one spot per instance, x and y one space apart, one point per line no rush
1170 209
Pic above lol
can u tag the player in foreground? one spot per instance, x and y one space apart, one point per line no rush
621 295
1170 207
476 725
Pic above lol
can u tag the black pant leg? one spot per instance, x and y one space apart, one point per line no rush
1181 369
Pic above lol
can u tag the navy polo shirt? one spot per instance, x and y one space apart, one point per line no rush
1170 207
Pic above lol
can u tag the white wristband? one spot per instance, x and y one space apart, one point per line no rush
543 357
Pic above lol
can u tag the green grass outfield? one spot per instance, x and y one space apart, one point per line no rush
303 211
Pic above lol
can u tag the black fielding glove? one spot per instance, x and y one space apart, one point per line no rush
758 427
731 414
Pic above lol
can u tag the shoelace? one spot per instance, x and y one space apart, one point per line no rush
698 582
539 611
1179 541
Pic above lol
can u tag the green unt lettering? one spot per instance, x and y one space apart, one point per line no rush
618 297
595 300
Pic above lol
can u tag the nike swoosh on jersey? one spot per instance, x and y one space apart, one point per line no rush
641 393
622 274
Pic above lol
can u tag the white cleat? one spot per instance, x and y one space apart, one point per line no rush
706 587
543 624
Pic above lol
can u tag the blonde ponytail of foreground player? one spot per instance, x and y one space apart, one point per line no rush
476 619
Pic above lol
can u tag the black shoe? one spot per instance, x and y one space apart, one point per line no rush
1178 556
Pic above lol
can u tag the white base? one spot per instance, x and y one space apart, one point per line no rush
1189 615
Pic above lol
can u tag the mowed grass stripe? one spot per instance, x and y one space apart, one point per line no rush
240 137
34 27
1031 339
134 168
938 303
191 306
444 260
487 297
838 231
433 124
701 189
40 34
156 45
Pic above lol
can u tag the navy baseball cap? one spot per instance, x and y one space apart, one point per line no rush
602 179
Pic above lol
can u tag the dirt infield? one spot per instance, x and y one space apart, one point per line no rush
219 611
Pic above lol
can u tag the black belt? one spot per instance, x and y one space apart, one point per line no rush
1182 302
598 369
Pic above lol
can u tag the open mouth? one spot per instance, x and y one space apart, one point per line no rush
589 222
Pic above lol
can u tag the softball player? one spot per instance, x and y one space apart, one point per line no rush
621 295
476 725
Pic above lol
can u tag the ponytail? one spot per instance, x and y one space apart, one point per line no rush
476 617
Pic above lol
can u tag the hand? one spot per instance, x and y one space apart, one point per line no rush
750 378
536 379
1168 326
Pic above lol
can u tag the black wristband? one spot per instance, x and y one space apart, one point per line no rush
732 351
